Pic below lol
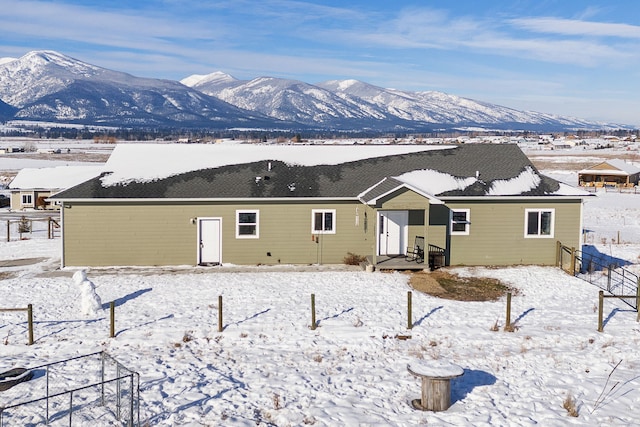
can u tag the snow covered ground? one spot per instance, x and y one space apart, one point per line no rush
269 368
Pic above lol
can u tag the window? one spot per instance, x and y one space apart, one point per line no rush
247 224
27 199
539 223
323 221
460 221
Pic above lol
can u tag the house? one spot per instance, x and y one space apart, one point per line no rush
611 173
31 187
243 204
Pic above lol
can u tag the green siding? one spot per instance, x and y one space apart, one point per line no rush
163 233
438 225
120 233
403 199
497 233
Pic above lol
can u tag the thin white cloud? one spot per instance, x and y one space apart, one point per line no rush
127 29
574 27
435 29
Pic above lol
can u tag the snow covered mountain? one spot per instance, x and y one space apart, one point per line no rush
441 108
6 111
345 103
49 86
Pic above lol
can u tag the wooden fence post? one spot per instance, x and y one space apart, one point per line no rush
558 254
30 322
409 315
313 311
507 324
220 323
573 261
112 315
600 309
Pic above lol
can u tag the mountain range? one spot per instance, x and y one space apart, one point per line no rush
49 86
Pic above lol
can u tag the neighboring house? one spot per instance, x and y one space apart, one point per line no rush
611 173
31 187
483 204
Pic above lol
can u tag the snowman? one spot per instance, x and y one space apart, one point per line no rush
90 302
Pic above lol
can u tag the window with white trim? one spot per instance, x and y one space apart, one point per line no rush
539 223
323 221
460 221
27 199
247 224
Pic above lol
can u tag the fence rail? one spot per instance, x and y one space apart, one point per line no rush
29 310
599 271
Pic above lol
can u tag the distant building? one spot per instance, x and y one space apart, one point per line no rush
32 186
610 173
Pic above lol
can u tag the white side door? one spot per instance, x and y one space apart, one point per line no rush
392 232
209 241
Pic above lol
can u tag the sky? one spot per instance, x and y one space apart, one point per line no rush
569 57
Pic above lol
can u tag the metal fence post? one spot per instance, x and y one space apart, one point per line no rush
409 314
313 311
638 300
102 377
131 401
118 391
70 407
47 385
220 322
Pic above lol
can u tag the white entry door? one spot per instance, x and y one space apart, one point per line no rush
392 232
209 241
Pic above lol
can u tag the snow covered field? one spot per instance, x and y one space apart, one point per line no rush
269 368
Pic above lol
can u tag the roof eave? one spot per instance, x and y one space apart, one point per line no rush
204 199
546 197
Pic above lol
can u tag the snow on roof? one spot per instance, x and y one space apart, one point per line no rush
526 181
58 177
623 167
434 182
148 162
568 190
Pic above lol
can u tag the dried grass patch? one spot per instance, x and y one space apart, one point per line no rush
4 275
445 285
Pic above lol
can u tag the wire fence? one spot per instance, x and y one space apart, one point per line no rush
600 271
93 389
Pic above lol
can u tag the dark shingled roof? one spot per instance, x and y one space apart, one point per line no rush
345 180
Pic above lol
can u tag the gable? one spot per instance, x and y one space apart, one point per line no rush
614 167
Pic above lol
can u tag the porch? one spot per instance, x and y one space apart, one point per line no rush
397 262
436 259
